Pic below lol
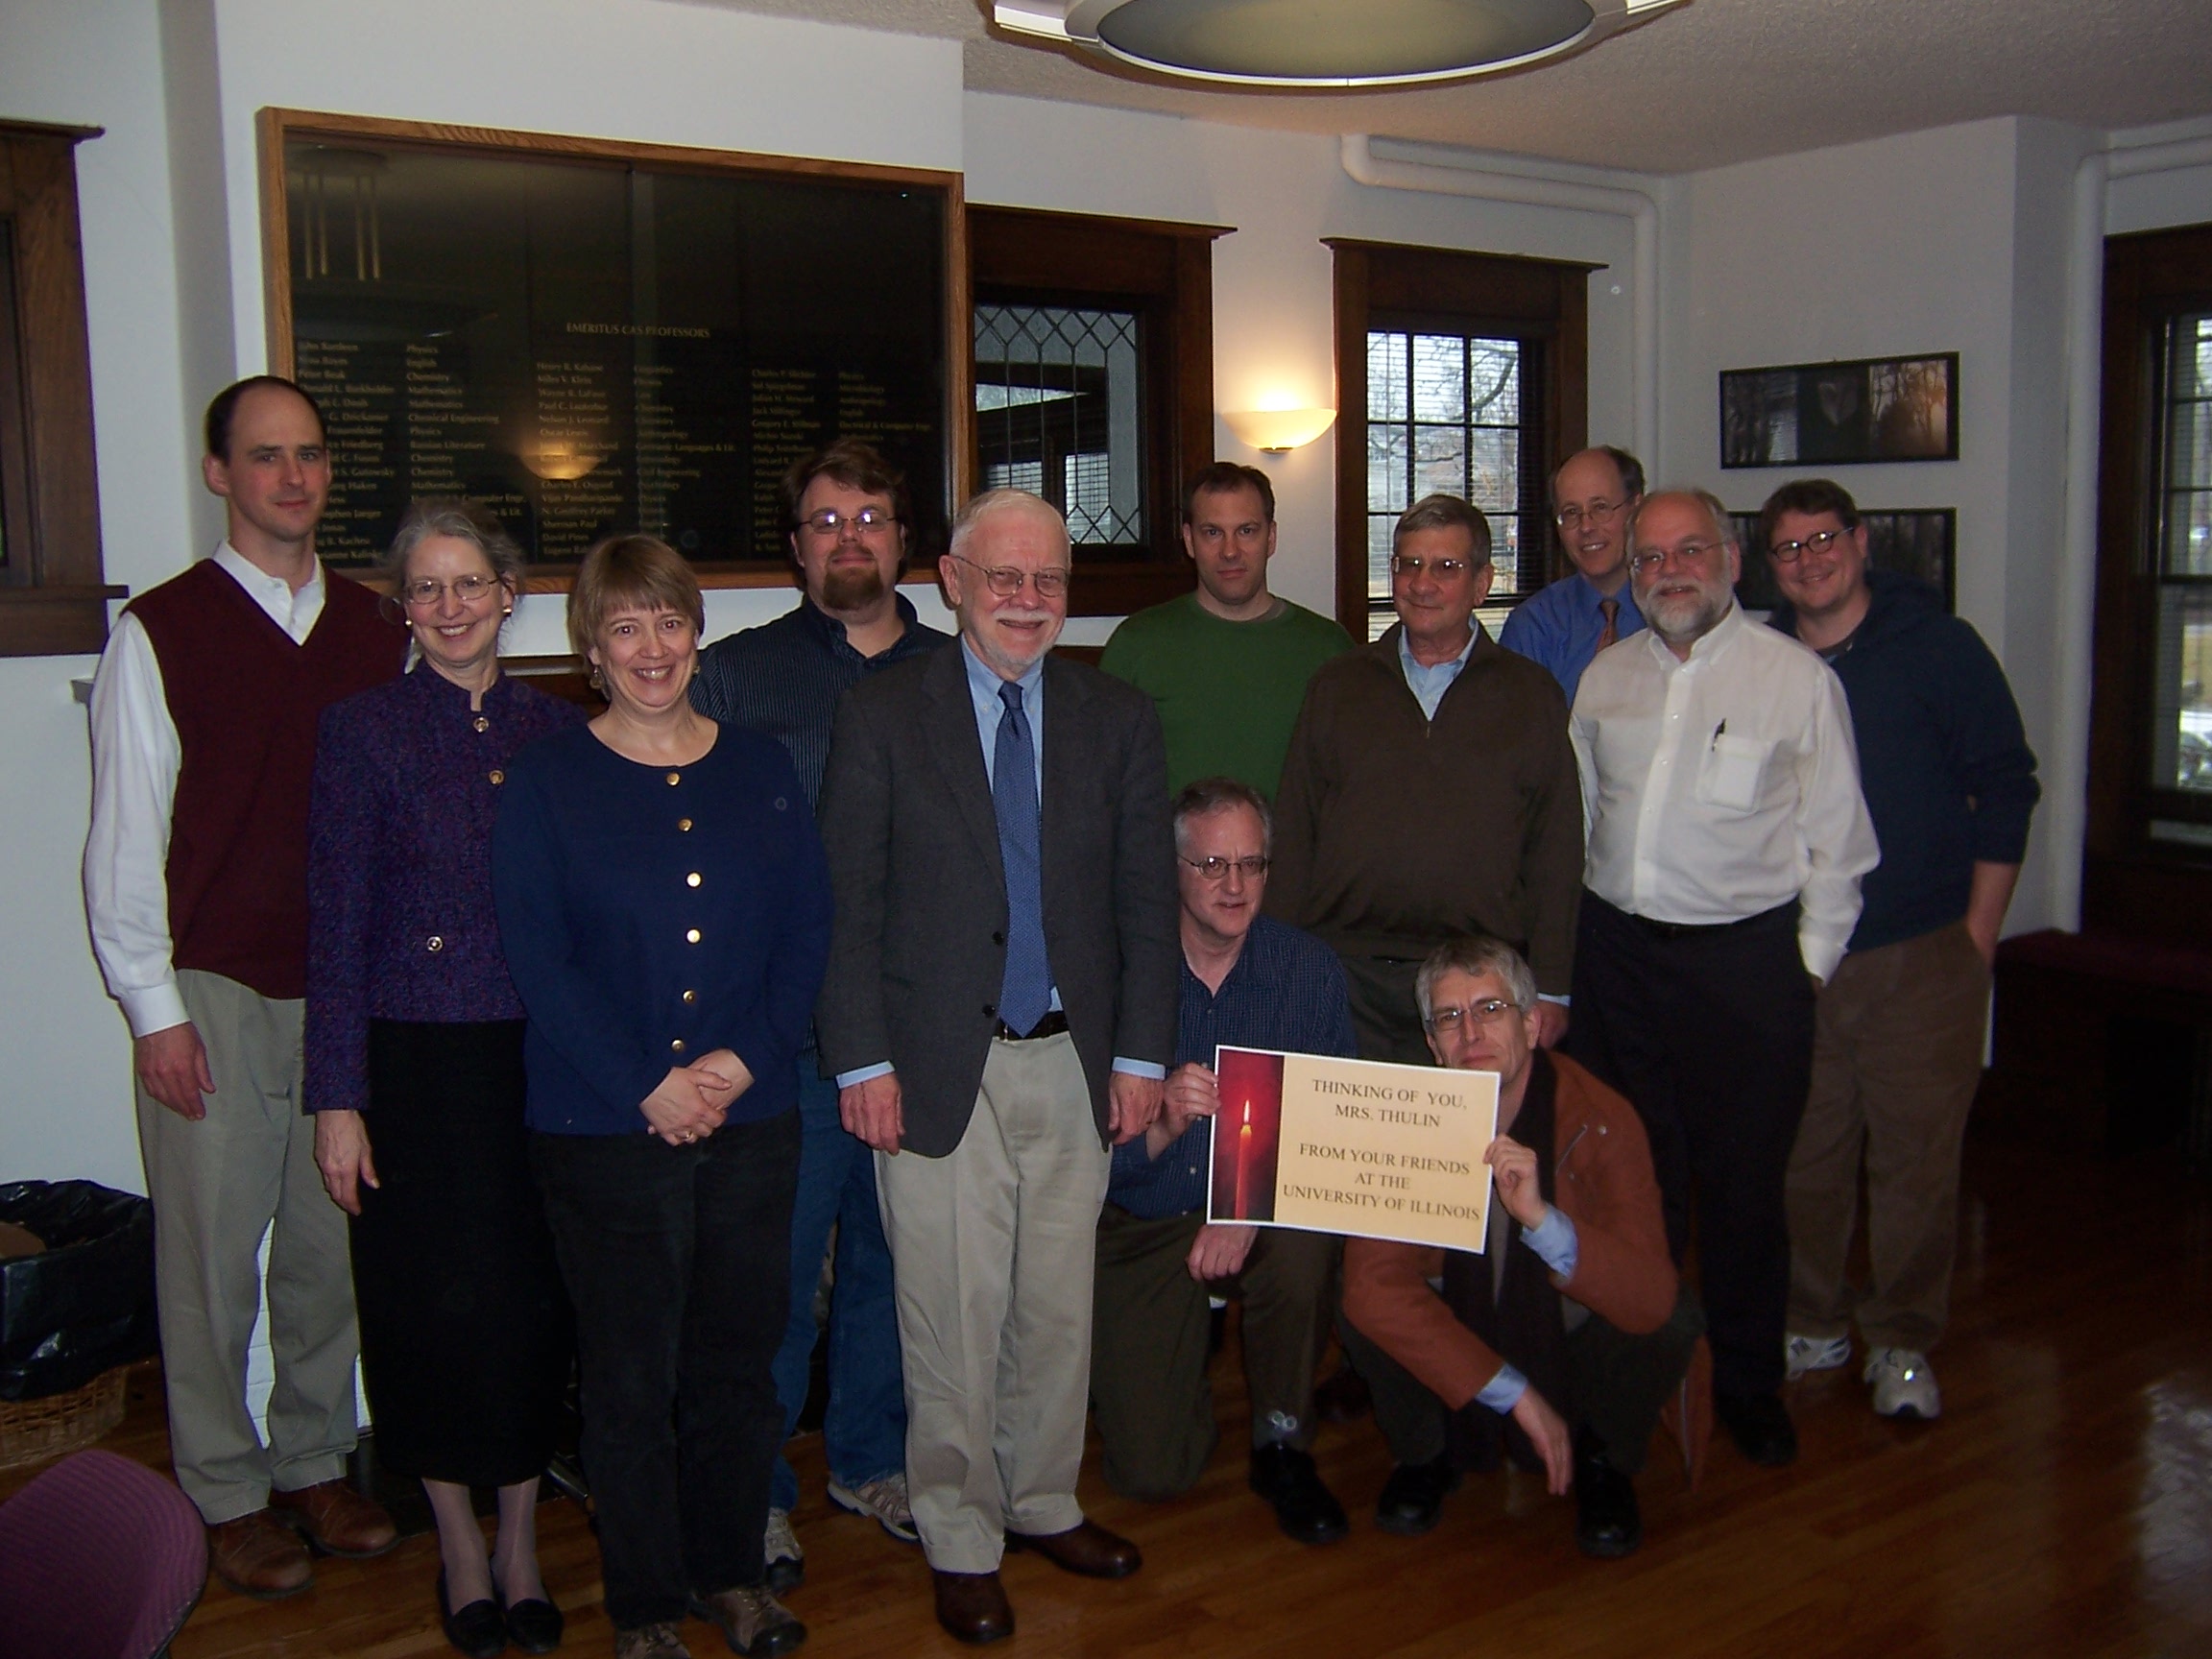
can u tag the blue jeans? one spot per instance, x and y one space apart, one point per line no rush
865 1430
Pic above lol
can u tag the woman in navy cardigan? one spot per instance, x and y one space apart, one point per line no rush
664 906
414 1056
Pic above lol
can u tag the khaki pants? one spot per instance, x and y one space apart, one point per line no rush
1896 1058
1151 1332
991 1252
217 1185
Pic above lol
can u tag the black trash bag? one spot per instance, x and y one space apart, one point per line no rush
87 1303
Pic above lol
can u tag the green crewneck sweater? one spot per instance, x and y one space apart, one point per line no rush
1228 693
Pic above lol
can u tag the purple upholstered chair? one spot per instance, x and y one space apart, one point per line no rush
100 1558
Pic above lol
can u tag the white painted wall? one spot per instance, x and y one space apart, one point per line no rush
1936 241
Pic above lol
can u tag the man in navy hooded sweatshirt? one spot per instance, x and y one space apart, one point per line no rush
1950 783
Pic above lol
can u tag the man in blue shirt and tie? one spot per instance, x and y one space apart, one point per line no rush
1594 496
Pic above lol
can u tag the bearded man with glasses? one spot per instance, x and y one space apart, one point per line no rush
1594 496
1251 982
1561 1343
1727 839
1000 1009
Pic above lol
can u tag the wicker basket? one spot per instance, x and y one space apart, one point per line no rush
34 1431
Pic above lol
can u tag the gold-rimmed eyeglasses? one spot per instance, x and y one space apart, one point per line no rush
1005 580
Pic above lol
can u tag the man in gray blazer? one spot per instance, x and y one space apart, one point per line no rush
1000 1006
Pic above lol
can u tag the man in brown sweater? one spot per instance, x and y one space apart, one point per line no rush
1430 791
1562 1342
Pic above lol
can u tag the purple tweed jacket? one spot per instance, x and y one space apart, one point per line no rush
400 925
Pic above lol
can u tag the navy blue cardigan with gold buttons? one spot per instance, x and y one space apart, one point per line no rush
652 915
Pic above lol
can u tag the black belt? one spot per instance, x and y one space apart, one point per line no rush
1051 1026
1709 930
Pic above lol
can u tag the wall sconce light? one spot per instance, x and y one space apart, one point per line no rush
1279 430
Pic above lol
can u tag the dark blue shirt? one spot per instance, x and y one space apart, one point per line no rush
652 915
1286 991
1945 767
784 678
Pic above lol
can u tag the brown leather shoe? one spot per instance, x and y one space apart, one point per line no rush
1086 1547
258 1556
752 1621
973 1606
336 1519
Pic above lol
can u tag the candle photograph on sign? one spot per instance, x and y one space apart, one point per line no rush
1352 1147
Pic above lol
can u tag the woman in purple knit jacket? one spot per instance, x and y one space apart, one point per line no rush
414 1068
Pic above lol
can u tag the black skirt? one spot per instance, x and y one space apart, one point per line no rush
465 1337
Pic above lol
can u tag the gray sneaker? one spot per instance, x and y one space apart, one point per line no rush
787 1561
1903 1385
1803 1354
752 1621
650 1642
884 1500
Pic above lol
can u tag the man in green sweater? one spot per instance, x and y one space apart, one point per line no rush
1226 664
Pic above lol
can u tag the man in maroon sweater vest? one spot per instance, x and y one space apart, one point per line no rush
195 881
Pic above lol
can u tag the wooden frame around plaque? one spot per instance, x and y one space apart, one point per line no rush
277 128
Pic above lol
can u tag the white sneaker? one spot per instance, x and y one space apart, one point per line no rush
1903 1385
1803 1354
787 1561
884 1500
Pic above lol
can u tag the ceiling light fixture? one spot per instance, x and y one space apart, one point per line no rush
1327 43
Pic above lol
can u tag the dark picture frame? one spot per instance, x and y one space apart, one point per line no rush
1844 414
1920 541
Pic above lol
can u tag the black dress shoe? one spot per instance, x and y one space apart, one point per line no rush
1607 1522
534 1625
1412 1500
1304 1508
1759 1427
973 1606
477 1629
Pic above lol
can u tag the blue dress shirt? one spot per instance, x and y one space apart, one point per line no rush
1559 626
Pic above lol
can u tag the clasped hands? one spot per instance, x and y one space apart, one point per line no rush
692 1100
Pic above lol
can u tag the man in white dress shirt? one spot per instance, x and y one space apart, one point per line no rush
1726 841
204 720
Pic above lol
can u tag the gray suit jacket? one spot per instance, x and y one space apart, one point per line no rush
918 949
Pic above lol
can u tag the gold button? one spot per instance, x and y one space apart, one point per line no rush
690 995
498 775
677 1046
692 879
692 936
675 777
481 724
684 824
434 944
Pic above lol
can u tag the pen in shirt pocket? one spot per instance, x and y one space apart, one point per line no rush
1717 730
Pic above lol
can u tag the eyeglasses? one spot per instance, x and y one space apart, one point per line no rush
1820 542
865 522
1597 512
1653 557
1251 866
425 592
1487 1012
1005 580
1403 565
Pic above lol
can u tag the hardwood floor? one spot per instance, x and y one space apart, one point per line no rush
2061 1507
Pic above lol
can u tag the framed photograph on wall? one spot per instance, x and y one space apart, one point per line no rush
1918 541
1841 414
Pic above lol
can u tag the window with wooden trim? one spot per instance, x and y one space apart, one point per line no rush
2147 864
1460 373
53 597
1094 365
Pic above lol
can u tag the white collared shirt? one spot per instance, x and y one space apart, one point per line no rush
137 755
1723 787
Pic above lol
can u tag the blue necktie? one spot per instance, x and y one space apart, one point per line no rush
1025 995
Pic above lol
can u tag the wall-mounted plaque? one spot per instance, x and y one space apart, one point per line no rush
593 337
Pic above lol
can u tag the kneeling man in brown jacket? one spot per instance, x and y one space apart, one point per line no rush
1562 1342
